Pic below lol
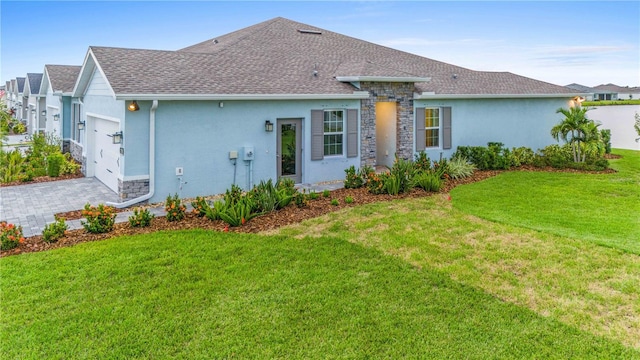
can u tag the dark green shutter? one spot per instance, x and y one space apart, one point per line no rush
317 134
421 140
446 127
352 133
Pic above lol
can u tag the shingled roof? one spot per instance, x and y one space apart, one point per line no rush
20 82
280 56
34 82
63 77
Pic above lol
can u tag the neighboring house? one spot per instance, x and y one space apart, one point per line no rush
21 102
587 91
35 103
286 99
56 89
12 96
615 92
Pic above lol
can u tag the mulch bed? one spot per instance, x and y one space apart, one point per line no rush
290 215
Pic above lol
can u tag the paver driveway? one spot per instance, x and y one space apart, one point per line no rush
33 206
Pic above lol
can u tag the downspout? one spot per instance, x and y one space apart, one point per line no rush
152 162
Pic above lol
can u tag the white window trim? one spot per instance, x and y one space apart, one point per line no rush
439 128
343 133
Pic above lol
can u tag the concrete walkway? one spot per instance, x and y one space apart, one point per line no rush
33 206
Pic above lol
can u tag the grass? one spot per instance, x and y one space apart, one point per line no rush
611 102
199 294
599 208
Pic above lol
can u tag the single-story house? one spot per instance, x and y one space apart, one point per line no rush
56 88
20 101
286 99
615 92
35 119
588 92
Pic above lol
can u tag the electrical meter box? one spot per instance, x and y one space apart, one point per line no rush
248 153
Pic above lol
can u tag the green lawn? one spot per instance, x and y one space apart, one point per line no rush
603 208
200 294
414 278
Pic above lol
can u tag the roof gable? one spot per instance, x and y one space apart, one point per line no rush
20 81
33 81
62 78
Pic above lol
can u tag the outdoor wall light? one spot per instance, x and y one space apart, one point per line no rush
44 113
33 111
117 137
133 106
56 117
81 125
268 126
221 104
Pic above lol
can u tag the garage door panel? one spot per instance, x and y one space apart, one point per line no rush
106 153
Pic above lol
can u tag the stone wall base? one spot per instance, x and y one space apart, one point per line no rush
132 189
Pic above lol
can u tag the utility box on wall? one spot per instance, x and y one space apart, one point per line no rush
248 153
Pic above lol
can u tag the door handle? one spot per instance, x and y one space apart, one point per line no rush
101 153
118 162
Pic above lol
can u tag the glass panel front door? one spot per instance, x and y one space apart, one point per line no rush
289 145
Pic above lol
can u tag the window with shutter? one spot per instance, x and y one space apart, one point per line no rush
331 136
433 128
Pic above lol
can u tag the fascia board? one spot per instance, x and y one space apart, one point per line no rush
432 96
228 97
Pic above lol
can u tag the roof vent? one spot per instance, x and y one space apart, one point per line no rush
215 41
306 31
455 76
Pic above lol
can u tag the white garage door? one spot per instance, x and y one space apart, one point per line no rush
106 153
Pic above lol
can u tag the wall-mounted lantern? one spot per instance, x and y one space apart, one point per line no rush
81 125
43 113
56 117
133 106
117 137
268 126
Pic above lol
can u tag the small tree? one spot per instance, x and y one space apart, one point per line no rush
581 133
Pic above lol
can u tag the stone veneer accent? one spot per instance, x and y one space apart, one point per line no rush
76 153
66 146
402 94
132 189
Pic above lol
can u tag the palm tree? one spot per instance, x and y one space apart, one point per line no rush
576 130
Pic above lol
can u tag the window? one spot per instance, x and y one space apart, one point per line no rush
75 119
333 132
432 127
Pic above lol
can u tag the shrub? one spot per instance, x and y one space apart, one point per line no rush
400 176
200 206
422 161
605 135
69 165
10 236
348 200
54 164
54 231
176 211
239 213
326 193
12 166
392 184
522 156
100 219
428 181
354 179
141 218
300 198
555 156
375 183
459 167
313 195
335 202
19 128
268 197
493 157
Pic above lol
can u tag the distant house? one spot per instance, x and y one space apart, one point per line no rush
587 91
282 99
34 103
56 89
615 92
21 101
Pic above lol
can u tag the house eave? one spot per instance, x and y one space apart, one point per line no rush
434 96
355 79
356 95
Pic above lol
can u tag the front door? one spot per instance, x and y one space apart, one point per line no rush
289 149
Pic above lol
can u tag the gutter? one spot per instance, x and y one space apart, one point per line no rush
152 162
228 97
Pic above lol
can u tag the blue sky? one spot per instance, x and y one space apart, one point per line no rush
586 42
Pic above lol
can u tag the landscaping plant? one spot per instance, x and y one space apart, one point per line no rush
176 211
54 231
459 167
428 181
10 236
100 219
141 218
238 213
200 206
54 164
